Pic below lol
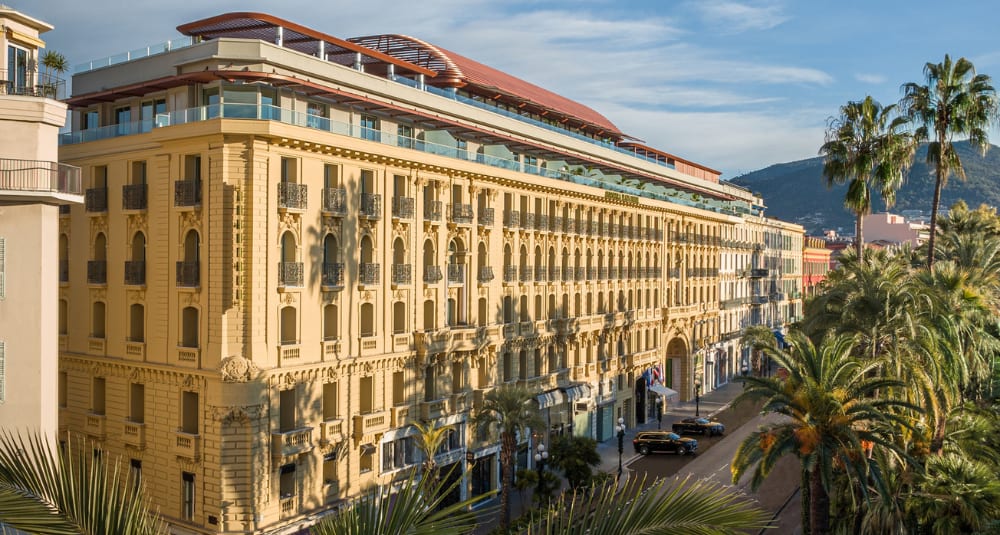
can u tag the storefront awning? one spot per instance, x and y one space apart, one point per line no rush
577 392
669 394
550 398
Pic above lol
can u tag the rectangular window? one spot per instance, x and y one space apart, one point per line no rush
398 388
398 454
370 128
286 410
404 136
187 496
289 170
123 118
530 164
316 116
189 413
63 379
286 482
367 458
330 410
97 396
17 70
330 469
367 393
135 472
137 403
331 176
139 172
90 119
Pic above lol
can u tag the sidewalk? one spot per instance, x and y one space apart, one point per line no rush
709 404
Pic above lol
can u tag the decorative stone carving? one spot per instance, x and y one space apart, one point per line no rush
237 369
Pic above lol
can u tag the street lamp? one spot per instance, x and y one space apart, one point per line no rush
697 398
621 443
540 457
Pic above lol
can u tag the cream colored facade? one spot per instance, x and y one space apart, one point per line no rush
267 298
33 185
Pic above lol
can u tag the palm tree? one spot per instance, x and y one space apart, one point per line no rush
666 506
428 441
866 147
954 101
831 419
54 63
48 491
506 412
956 495
414 508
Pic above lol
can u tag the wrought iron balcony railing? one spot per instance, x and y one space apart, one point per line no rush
402 273
188 274
368 273
187 193
97 271
333 274
371 205
135 272
402 207
96 200
335 201
293 196
290 274
134 197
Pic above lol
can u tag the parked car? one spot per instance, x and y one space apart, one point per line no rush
647 442
702 426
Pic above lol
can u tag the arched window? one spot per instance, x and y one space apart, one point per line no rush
369 269
432 271
135 269
333 268
97 320
188 267
189 327
289 326
137 323
63 258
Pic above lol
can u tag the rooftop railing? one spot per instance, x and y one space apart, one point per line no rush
297 118
32 84
138 53
40 176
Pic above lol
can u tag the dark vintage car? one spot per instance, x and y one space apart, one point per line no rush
702 426
647 442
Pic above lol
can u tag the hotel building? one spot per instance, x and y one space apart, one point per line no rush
34 189
294 245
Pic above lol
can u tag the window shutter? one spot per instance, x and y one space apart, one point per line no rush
3 373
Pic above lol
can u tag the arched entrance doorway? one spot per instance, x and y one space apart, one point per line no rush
676 354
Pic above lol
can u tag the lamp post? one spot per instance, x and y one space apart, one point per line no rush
697 398
621 443
540 457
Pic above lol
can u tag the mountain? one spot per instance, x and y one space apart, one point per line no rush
797 192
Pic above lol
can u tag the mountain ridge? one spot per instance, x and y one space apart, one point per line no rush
796 191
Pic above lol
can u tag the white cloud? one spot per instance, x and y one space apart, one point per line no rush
736 17
868 78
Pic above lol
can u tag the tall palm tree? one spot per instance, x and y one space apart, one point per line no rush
954 101
831 419
506 412
866 147
48 491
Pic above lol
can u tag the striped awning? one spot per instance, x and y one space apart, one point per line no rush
577 392
550 398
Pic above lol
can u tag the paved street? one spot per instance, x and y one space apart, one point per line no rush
778 494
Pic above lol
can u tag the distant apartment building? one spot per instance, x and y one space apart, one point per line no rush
34 186
894 229
815 264
294 246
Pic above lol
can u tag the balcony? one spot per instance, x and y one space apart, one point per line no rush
331 432
485 273
556 224
335 201
290 274
758 273
509 273
456 273
95 426
32 84
368 273
400 416
373 422
486 217
527 221
432 211
524 273
432 410
402 273
289 443
96 200
432 274
134 197
135 272
541 274
333 275
97 272
371 206
292 196
511 219
288 507
571 226
135 349
187 193
402 207
188 274
134 434
461 214
187 445
34 177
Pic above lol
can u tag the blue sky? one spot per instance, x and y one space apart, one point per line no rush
734 85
